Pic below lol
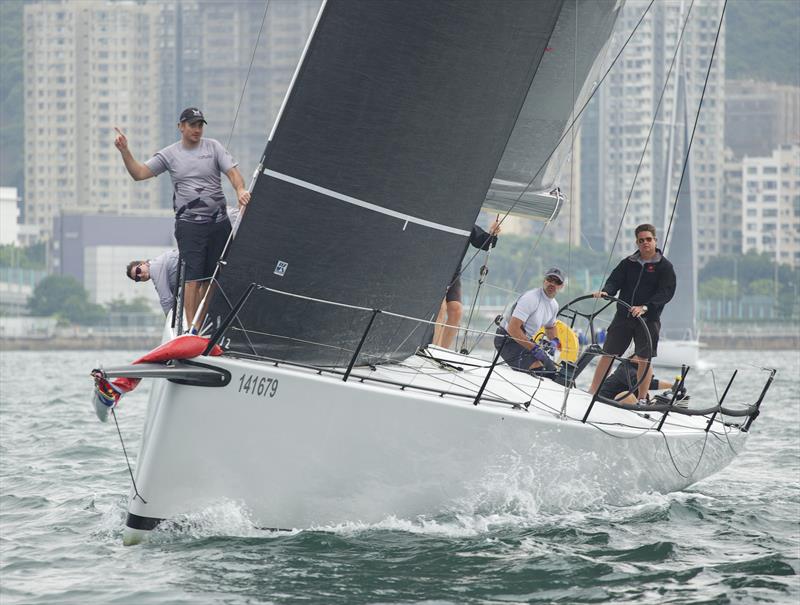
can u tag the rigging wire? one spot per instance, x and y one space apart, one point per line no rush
136 493
696 119
247 76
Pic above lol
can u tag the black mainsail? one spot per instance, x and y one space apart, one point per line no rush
377 168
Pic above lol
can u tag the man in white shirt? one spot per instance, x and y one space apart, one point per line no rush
534 309
163 270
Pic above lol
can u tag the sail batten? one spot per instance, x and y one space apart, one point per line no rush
363 204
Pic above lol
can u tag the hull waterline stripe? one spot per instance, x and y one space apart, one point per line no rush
363 204
135 521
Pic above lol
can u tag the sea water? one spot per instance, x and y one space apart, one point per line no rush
733 538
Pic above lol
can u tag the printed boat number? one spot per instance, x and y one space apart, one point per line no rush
260 387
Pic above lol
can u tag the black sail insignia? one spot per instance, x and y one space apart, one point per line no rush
377 169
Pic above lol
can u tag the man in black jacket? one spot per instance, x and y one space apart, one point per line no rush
646 281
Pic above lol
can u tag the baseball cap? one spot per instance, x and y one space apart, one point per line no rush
192 115
555 272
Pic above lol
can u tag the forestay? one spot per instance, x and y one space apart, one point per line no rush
381 159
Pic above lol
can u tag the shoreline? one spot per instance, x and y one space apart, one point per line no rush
762 342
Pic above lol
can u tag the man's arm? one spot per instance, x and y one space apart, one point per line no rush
516 332
242 194
666 287
137 170
613 283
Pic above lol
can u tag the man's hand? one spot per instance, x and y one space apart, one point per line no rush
243 195
637 311
494 229
599 294
121 142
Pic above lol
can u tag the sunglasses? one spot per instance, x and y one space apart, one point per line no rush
137 274
554 280
642 240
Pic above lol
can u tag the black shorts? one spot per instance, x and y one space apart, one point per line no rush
200 246
624 329
453 293
614 385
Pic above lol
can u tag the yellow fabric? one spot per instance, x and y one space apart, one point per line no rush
568 338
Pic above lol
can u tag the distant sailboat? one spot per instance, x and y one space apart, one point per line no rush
679 340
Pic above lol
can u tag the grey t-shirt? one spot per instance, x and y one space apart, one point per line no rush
197 187
164 273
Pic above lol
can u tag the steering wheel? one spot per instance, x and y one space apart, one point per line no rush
571 312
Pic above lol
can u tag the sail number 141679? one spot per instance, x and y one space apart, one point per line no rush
260 386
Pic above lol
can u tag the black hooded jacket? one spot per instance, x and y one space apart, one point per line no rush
651 284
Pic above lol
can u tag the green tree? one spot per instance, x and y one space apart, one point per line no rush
32 257
761 287
137 305
762 40
66 298
717 287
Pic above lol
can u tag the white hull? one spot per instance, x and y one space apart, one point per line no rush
322 451
675 353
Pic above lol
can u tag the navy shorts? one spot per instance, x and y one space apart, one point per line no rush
200 246
513 353
622 330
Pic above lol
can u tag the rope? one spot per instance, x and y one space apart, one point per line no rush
127 461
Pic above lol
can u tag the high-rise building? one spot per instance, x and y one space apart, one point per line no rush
246 62
629 107
760 117
771 205
90 65
731 215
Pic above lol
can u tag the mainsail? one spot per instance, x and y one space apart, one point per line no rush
530 166
380 161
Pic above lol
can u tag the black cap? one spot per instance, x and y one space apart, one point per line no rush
555 272
192 115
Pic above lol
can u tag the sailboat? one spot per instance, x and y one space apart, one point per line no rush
679 343
328 404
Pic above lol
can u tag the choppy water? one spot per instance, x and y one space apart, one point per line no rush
734 538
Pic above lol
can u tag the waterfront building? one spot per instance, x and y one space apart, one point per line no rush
228 34
89 65
771 204
96 248
9 214
731 203
760 117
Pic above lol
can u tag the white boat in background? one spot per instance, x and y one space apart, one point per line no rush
328 405
675 353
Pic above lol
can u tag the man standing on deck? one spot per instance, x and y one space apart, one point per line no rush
646 281
201 220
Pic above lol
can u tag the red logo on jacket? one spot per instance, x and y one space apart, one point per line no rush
650 268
